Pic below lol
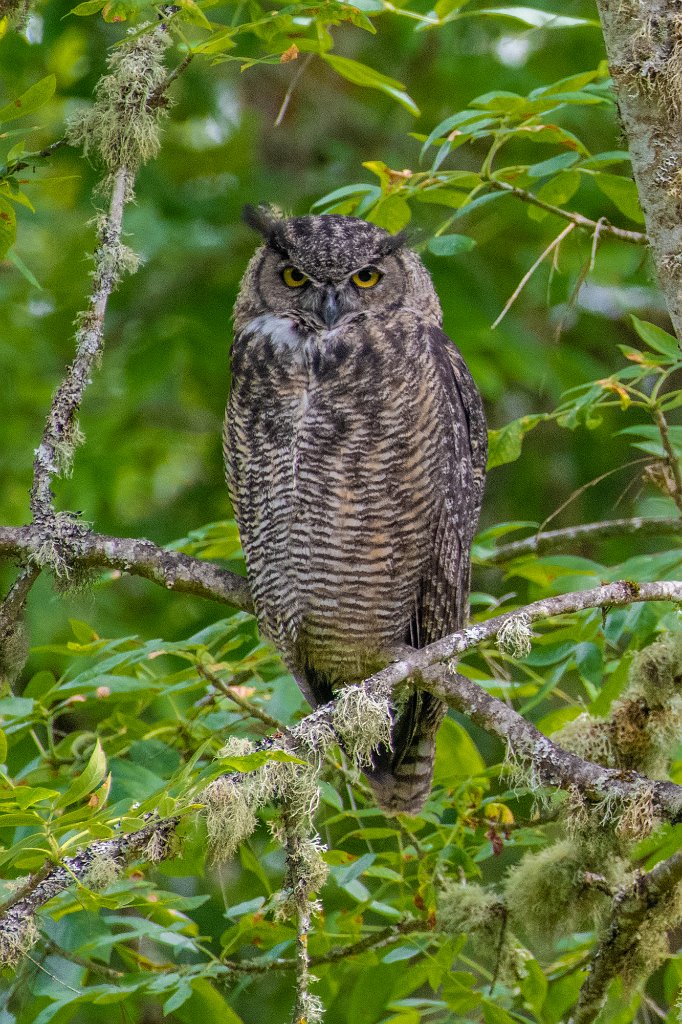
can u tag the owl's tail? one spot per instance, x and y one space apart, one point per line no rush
401 778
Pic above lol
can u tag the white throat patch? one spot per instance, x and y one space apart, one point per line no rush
280 330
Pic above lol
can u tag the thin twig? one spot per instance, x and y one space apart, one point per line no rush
559 540
577 219
553 245
300 71
90 965
670 457
246 705
157 97
27 159
378 940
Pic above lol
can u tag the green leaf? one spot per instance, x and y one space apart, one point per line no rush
391 213
494 1014
206 1004
16 261
91 777
573 82
534 986
538 19
657 339
442 197
84 633
89 7
181 994
623 194
451 245
401 953
31 100
504 445
554 164
250 762
8 227
607 159
457 758
219 42
557 191
360 74
194 14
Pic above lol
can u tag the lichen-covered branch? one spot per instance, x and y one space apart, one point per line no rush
645 59
559 540
551 765
611 595
61 435
169 569
17 917
642 913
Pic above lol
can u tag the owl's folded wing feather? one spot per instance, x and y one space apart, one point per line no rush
402 778
443 601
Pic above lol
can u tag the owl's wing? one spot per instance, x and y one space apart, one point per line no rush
442 603
401 778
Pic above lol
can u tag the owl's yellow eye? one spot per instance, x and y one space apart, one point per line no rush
293 277
366 278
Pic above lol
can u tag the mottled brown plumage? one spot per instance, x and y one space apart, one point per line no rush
355 448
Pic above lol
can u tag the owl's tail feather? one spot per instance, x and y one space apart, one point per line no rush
401 778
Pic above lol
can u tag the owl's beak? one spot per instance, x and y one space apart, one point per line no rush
330 307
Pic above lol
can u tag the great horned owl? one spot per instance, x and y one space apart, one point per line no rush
355 447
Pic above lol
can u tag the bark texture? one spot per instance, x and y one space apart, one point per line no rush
644 47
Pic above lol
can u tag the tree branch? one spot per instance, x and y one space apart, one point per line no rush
611 595
598 227
60 435
169 569
642 44
377 940
551 764
631 907
51 881
559 540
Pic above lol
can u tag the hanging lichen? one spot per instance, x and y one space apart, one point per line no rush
122 128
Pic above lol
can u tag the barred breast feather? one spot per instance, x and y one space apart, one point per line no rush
355 462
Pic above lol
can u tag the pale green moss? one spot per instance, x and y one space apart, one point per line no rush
363 721
121 129
515 636
16 939
556 891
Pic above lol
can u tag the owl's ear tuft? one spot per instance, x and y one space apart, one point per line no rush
392 243
268 222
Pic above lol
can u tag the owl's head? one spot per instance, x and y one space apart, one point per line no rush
322 271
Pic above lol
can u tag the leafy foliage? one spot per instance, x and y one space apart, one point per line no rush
123 712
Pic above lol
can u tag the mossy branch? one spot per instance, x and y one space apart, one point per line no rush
642 913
